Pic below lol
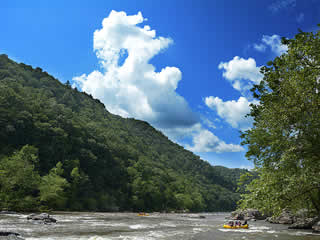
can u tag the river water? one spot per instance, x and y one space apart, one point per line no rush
129 226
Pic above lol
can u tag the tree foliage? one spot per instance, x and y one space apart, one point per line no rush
52 188
285 138
18 180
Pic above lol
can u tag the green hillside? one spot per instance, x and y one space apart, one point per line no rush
61 149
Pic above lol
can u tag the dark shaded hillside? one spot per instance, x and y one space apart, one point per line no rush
81 157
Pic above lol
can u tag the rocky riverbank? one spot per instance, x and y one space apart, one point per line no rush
248 214
300 220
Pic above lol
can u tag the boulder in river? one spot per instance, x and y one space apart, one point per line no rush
10 236
193 216
303 223
247 214
43 217
316 227
286 217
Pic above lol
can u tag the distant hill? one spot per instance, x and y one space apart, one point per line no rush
61 149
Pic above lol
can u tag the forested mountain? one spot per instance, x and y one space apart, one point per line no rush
61 149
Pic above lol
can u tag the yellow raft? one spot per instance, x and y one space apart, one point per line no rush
236 227
143 214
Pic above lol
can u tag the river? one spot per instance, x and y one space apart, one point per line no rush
129 226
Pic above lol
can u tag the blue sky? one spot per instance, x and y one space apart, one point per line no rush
184 66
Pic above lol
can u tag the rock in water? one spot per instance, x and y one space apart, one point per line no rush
316 227
10 236
193 216
286 217
303 223
44 217
247 214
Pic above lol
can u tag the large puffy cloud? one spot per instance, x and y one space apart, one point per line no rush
239 70
206 141
129 86
243 74
135 89
233 112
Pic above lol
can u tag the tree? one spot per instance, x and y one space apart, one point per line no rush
19 180
52 188
285 138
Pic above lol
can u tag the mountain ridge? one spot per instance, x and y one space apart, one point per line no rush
108 162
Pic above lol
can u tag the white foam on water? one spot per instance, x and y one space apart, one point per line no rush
198 230
3 220
16 215
43 238
240 230
141 226
166 234
252 229
16 229
168 224
97 238
65 220
259 227
111 224
70 238
157 234
299 233
96 224
200 225
134 238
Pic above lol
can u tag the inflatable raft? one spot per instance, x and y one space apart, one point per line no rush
236 227
143 214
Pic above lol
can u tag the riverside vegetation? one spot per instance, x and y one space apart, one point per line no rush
284 142
60 149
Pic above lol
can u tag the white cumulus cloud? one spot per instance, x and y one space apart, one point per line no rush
243 74
273 42
233 112
239 70
206 141
130 86
134 88
260 47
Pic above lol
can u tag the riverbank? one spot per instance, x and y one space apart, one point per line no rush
299 220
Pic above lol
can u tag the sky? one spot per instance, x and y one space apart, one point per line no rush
186 67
